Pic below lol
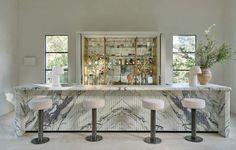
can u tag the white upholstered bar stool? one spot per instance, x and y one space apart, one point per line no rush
94 103
39 104
193 104
153 104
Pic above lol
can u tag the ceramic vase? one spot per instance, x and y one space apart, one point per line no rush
205 76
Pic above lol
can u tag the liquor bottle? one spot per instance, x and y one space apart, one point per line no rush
131 61
126 62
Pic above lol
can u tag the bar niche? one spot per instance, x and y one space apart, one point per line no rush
121 60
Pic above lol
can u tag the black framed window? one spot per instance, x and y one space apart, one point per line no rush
56 54
183 56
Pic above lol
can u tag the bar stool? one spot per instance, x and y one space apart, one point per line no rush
40 103
94 103
153 104
193 104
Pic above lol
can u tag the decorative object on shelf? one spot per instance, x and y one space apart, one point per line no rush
209 53
194 71
97 68
144 69
56 72
130 79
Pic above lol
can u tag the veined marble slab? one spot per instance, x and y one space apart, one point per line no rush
177 87
123 110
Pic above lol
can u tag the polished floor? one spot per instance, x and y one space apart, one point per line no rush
112 141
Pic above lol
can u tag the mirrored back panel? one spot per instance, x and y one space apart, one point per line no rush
121 59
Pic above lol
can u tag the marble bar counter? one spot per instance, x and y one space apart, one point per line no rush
123 110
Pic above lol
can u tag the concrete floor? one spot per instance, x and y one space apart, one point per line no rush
114 141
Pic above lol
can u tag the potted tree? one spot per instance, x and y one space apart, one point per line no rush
209 53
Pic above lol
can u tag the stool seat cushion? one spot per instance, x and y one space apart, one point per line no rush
193 103
94 102
153 103
40 103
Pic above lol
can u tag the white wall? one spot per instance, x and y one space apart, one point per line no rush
8 50
230 36
40 17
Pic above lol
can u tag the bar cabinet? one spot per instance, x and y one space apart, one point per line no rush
116 58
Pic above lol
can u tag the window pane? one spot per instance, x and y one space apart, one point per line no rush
180 77
183 56
56 59
184 43
56 43
63 78
56 56
48 77
183 61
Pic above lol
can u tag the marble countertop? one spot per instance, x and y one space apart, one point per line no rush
167 87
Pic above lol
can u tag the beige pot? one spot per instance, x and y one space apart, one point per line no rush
205 76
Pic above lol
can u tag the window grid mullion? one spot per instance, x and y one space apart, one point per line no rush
180 70
56 52
184 52
51 70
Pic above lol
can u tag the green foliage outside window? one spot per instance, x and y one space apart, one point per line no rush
183 57
56 55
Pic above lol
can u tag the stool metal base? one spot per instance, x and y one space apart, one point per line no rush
90 138
37 141
193 139
40 139
150 140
